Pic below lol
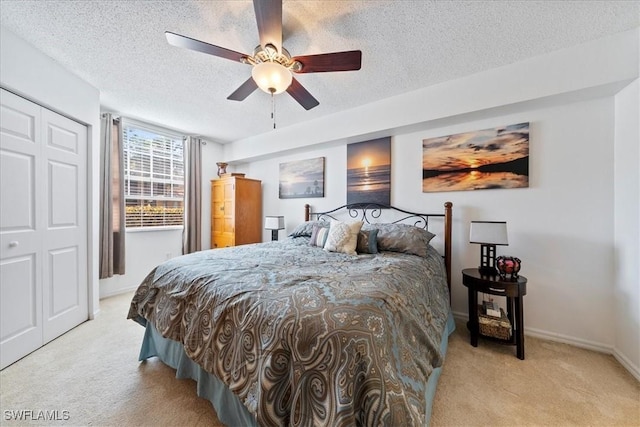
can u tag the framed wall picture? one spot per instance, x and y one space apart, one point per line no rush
478 160
369 172
302 179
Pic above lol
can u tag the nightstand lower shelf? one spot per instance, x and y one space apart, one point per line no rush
493 285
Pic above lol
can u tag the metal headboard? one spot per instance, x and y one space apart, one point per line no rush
367 212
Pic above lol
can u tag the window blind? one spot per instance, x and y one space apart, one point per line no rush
154 177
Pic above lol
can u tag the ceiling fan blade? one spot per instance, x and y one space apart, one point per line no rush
324 62
300 94
269 19
200 46
244 90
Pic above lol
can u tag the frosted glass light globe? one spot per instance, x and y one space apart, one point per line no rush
271 77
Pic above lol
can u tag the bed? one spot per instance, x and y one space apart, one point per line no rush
310 330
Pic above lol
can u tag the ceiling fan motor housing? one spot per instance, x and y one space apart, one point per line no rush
272 64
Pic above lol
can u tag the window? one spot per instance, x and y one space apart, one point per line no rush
154 177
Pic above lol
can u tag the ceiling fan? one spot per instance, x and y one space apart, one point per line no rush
272 64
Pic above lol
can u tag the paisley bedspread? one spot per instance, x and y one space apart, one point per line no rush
303 336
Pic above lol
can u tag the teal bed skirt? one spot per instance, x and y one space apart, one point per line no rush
227 405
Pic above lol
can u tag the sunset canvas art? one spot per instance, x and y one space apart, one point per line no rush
484 159
302 179
369 172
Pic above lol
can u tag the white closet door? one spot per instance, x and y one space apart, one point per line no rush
43 226
64 289
21 224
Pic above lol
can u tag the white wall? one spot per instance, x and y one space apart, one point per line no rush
627 228
293 209
27 72
146 249
143 251
562 226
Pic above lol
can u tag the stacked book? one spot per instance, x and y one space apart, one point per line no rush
491 308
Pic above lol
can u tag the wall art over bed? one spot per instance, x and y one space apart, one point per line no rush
369 171
478 160
302 178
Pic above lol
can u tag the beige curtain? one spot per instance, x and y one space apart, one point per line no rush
112 226
192 232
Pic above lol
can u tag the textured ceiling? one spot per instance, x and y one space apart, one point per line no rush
120 48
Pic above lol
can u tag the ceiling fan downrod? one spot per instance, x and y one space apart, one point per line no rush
273 106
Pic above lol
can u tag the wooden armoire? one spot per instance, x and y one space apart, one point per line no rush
236 211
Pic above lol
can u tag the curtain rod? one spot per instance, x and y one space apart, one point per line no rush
118 117
202 141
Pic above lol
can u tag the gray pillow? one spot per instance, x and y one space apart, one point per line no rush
306 228
367 242
402 238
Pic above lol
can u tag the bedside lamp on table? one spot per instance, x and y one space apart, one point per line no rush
488 234
274 223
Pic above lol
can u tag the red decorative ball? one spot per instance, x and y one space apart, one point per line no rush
508 265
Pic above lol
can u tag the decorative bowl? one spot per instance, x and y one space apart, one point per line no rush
508 267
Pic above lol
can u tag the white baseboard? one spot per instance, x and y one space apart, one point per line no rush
459 315
626 363
565 339
576 342
552 336
115 292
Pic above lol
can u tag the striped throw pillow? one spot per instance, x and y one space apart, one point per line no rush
319 235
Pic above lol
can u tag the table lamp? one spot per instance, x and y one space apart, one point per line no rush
488 234
274 223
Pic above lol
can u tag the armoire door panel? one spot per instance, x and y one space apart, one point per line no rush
229 209
218 225
222 241
217 195
228 225
229 187
218 209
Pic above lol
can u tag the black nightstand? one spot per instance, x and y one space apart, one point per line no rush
513 290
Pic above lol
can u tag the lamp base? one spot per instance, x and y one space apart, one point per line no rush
274 235
486 270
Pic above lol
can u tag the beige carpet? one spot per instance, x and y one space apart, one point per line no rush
93 373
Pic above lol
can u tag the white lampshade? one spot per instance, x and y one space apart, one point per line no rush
274 222
271 77
488 232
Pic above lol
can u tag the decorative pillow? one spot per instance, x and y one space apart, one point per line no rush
402 238
343 237
367 241
319 235
306 228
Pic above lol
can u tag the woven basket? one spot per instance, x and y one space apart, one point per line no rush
493 326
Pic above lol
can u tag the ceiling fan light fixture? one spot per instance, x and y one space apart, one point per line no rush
272 77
